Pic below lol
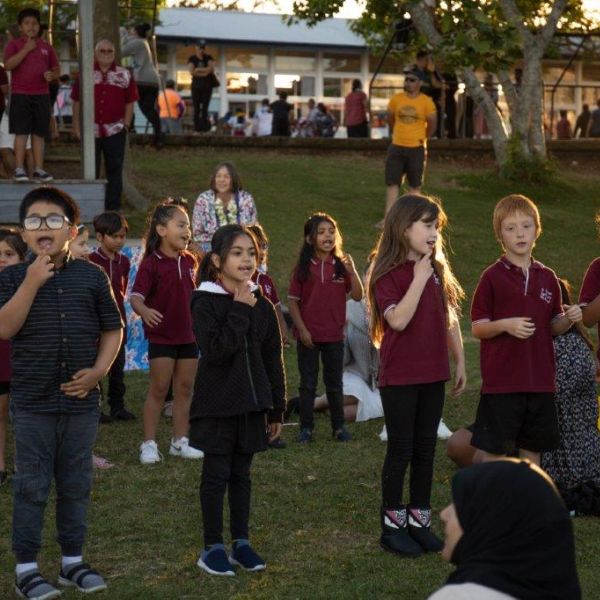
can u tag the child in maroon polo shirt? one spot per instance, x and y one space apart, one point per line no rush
317 297
515 312
589 296
33 65
111 232
414 300
161 295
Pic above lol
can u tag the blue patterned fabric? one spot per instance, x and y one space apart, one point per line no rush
136 353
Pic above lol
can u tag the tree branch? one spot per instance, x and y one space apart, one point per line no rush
424 23
549 29
515 17
510 92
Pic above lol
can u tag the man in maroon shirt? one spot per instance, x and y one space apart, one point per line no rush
115 93
515 312
34 65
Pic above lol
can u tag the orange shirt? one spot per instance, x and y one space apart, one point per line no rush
410 119
168 103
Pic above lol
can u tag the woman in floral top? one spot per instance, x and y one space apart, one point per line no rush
225 202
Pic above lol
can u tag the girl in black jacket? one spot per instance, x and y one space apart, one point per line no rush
239 394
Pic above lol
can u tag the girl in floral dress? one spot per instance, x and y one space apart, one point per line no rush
225 202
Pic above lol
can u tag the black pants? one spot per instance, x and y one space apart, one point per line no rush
332 355
113 150
116 383
281 128
201 100
220 471
358 131
148 96
412 414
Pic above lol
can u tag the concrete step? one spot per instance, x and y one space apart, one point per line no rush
88 194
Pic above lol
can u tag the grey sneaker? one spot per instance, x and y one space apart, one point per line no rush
42 176
32 585
80 575
20 175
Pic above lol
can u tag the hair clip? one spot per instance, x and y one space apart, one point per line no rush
178 201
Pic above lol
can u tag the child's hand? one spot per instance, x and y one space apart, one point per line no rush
306 338
49 75
151 317
348 263
83 381
30 44
460 379
423 268
40 270
244 295
274 431
520 327
573 313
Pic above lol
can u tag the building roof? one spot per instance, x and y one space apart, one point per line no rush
253 28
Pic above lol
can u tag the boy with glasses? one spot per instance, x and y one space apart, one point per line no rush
65 330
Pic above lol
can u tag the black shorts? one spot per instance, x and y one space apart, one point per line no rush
240 434
29 115
176 352
506 422
402 161
4 387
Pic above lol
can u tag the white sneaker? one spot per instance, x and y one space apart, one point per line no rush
182 448
149 454
383 434
443 432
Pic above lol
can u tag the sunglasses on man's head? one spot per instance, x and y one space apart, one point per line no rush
52 221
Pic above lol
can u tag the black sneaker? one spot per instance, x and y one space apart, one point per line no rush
122 415
305 436
342 435
214 560
42 176
419 529
244 556
20 175
394 534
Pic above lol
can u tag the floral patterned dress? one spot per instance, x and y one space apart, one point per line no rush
577 459
210 214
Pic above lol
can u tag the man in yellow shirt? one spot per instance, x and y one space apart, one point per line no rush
412 119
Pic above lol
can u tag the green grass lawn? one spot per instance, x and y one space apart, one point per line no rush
314 510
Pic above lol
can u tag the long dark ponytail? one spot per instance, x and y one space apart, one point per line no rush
220 245
307 252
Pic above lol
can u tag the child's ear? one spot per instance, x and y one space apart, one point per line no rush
215 259
161 230
72 232
308 240
99 237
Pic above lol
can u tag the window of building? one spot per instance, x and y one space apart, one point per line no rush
295 84
590 72
292 61
246 58
162 53
346 63
246 83
386 87
337 87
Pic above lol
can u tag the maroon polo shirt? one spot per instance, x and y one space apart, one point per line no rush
509 364
322 301
113 90
166 284
267 285
28 77
590 288
117 270
5 371
418 353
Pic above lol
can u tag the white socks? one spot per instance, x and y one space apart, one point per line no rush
71 560
23 567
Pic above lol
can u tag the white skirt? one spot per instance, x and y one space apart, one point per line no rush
369 401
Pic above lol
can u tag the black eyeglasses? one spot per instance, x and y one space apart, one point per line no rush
106 50
411 79
51 221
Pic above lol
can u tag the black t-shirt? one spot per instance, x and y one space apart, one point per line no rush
281 110
200 62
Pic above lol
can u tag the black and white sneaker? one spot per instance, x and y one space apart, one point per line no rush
42 176
20 175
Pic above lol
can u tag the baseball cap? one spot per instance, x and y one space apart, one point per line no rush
414 71
201 42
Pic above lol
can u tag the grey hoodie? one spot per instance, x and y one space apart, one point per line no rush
144 72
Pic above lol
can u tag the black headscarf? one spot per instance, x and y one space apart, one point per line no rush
518 536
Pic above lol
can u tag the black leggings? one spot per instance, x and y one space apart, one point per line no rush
148 96
412 414
220 471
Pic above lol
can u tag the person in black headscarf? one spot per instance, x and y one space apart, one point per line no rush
509 535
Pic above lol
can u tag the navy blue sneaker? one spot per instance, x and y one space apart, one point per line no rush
342 435
305 436
243 556
214 561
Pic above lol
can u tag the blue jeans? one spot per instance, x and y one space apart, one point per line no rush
51 446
